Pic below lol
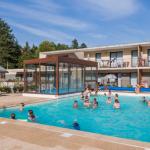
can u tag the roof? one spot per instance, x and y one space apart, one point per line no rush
64 58
2 70
106 47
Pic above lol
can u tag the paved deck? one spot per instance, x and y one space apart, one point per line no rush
10 100
19 135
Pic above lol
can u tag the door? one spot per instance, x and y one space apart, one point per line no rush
134 58
134 79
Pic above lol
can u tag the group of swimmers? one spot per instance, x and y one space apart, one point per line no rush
94 104
31 116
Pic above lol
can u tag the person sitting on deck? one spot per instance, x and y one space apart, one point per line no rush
13 116
108 100
116 104
31 116
95 103
76 125
75 105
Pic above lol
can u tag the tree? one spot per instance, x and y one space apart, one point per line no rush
28 53
9 48
60 46
47 46
75 44
83 45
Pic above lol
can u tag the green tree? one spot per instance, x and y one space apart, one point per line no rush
83 45
47 46
75 44
60 46
28 53
9 48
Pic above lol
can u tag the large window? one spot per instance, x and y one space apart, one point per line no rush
134 58
116 59
98 57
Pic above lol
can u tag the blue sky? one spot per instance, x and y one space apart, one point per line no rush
95 22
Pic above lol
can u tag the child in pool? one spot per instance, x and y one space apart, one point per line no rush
31 116
108 100
13 116
95 103
116 104
75 105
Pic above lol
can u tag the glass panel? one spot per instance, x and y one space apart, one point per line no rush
48 85
73 79
134 59
63 78
98 57
80 82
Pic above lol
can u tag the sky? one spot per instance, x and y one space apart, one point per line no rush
95 22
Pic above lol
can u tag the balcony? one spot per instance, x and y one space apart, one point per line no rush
144 62
114 63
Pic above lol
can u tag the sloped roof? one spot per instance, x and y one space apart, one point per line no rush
3 70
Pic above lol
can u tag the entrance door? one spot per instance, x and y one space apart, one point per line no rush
134 79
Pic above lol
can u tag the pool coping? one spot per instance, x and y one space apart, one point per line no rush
135 143
81 134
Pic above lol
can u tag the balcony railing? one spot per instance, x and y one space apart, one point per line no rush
144 62
114 63
124 63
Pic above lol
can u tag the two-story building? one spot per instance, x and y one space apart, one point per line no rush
120 65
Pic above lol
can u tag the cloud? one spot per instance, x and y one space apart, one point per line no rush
112 9
47 33
43 16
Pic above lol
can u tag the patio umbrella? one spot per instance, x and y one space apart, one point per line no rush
111 77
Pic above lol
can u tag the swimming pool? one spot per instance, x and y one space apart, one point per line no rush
132 121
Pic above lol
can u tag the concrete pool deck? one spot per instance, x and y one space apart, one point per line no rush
11 100
19 135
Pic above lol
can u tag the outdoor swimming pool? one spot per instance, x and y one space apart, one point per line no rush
132 121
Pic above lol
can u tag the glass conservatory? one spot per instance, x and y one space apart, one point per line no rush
59 74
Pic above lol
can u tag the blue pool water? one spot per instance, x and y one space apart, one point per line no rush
132 121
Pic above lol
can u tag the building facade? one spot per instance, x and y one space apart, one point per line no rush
124 65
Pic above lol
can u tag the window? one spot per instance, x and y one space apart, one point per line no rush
134 59
116 59
98 57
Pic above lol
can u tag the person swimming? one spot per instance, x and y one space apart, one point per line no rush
21 106
31 115
75 105
104 94
95 103
13 116
87 103
116 104
82 95
108 100
148 103
76 125
144 99
116 96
